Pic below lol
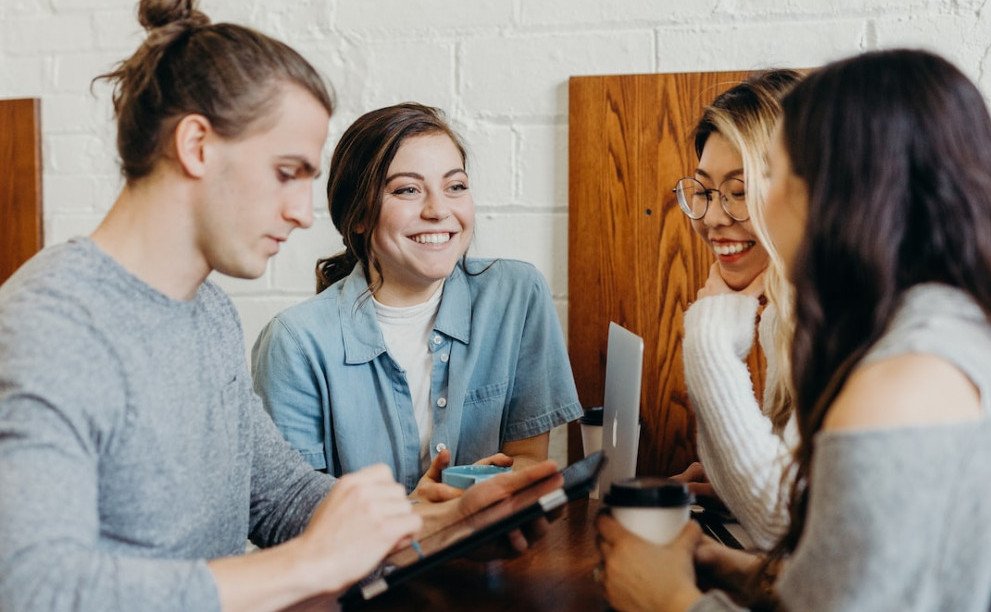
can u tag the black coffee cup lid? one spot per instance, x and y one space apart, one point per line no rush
648 493
592 416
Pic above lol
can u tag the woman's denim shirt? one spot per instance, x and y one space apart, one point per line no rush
500 372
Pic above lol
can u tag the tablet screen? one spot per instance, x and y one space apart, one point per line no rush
466 533
460 530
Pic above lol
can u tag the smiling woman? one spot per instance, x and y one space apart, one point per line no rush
426 221
413 354
744 443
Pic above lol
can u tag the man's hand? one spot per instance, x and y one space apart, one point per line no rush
365 515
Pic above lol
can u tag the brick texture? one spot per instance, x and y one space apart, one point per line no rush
498 67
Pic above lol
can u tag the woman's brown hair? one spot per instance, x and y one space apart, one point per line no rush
358 170
228 73
895 148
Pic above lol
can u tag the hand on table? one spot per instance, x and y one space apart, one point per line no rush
431 489
639 575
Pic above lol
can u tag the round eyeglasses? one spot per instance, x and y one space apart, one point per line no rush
694 198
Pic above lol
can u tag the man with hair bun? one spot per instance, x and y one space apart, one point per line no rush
135 458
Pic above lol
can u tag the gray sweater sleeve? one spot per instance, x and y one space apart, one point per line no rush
285 489
54 420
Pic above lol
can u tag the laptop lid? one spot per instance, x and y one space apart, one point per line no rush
621 406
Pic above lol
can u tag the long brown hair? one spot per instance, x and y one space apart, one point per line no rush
228 73
358 170
895 148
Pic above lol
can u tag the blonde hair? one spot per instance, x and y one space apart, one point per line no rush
746 115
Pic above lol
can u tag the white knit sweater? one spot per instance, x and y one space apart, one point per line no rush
744 459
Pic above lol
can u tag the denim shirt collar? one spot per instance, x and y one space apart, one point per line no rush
363 339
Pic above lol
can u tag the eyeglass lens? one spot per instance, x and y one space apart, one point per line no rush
693 197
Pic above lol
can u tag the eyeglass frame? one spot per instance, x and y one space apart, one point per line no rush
723 200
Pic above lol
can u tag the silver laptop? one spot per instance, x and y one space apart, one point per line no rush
621 406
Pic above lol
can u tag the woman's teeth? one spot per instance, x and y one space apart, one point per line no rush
731 248
432 238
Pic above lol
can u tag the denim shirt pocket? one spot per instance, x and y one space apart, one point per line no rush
490 395
482 421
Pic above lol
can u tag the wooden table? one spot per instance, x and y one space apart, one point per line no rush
554 574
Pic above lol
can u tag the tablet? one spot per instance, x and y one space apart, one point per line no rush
468 533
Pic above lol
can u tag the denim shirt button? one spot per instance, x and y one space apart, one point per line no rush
444 357
437 339
441 447
442 402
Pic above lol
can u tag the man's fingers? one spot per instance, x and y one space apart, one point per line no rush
441 493
513 481
517 541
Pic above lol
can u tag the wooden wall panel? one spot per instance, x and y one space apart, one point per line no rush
20 183
632 255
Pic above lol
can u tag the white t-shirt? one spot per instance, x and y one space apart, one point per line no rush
407 331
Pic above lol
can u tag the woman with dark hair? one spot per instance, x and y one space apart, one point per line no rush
880 205
412 354
745 445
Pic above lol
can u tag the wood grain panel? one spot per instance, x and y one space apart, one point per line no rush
632 255
20 183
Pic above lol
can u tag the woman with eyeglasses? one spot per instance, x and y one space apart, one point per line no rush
879 202
743 444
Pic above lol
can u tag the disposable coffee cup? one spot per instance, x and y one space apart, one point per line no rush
591 424
656 509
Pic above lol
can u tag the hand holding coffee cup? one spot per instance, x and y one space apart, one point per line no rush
656 509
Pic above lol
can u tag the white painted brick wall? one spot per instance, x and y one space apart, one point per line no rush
526 75
392 19
499 67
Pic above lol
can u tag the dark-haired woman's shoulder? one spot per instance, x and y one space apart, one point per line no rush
927 369
909 390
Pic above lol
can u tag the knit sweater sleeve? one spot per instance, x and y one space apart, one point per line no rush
743 457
